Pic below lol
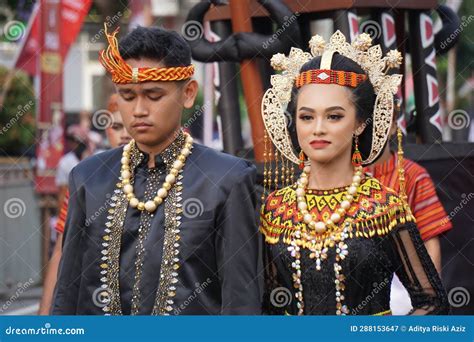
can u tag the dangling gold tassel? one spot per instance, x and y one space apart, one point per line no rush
292 174
283 171
265 151
276 169
287 173
270 168
401 172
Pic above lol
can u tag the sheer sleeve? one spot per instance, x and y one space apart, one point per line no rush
416 271
278 295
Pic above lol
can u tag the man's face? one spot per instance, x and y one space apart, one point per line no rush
116 132
151 111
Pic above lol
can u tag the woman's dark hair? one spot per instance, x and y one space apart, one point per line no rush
165 46
363 97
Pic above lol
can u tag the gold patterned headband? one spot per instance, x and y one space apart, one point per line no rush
361 51
122 73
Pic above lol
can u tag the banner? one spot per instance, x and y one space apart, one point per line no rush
72 12
57 25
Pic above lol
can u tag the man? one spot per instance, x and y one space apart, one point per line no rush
425 205
117 135
163 225
78 146
116 132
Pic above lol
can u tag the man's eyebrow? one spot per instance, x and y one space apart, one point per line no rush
154 89
126 90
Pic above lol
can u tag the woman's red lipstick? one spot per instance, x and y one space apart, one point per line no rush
317 144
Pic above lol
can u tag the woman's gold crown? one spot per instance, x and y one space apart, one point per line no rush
360 51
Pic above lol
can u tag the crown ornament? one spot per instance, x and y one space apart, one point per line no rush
361 51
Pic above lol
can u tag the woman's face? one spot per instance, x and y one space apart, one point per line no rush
325 122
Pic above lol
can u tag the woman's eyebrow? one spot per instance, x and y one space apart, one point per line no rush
307 109
334 108
326 110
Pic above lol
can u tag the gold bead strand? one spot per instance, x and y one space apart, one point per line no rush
283 171
265 151
292 173
276 169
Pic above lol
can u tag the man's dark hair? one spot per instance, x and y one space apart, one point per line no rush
162 45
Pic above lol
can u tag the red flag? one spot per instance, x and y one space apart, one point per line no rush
72 16
26 58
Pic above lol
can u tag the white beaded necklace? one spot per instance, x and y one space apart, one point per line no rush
321 226
170 179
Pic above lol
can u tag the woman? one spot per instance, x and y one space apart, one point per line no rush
335 238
